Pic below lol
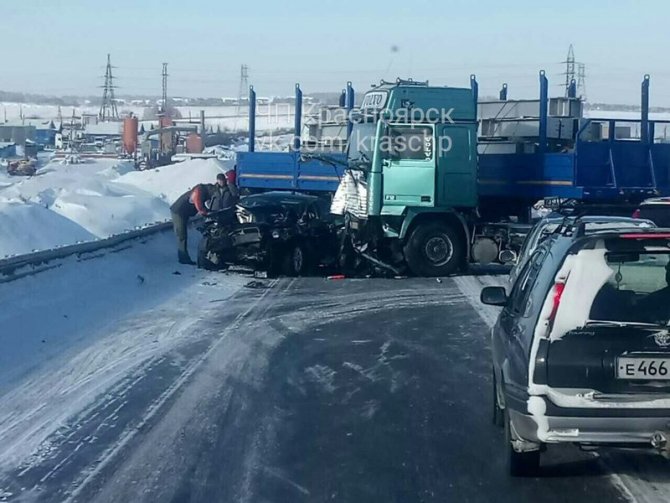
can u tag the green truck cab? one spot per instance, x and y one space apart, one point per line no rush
413 157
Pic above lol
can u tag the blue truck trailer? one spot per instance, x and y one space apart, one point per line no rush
438 208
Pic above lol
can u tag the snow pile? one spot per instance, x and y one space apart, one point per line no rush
169 182
65 204
26 226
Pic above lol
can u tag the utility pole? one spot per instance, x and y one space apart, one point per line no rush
244 85
165 98
569 69
581 81
108 111
72 136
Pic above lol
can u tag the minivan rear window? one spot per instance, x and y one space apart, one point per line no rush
638 290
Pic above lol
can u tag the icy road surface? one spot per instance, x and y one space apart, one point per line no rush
306 390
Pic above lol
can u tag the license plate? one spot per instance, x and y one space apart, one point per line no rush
643 368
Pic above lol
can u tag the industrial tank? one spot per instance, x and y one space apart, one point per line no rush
130 134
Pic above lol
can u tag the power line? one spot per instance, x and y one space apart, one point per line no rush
244 85
581 80
569 69
165 98
108 109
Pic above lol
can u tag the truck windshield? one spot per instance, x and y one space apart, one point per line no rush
361 141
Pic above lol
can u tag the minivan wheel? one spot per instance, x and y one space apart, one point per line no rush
498 415
519 464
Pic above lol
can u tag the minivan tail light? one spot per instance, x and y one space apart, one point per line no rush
557 293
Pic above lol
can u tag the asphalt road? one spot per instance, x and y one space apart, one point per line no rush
310 391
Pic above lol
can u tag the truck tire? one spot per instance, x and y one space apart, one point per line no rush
434 249
519 464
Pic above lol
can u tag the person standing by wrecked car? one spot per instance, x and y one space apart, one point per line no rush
225 195
190 203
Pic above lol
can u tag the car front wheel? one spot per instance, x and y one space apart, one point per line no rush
295 260
203 258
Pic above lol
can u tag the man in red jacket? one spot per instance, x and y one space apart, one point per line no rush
189 204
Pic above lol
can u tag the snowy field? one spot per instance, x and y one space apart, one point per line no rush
268 117
65 204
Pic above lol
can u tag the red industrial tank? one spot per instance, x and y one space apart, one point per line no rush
193 143
130 134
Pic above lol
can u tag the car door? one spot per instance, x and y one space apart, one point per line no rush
516 320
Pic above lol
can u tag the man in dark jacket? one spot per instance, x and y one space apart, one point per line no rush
189 204
225 194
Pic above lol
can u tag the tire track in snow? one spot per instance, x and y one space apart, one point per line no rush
82 389
126 438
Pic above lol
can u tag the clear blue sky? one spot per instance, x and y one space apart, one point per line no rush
59 46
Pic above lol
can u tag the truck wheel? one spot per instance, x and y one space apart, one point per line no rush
434 249
295 260
519 464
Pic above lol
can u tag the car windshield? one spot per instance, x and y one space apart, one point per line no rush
637 290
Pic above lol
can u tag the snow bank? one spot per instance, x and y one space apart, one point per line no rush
25 227
65 204
170 182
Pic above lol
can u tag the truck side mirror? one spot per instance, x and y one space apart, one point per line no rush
493 296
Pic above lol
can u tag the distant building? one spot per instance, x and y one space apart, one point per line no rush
7 150
88 118
102 131
30 149
17 133
45 134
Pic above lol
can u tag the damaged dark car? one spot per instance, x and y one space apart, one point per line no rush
277 232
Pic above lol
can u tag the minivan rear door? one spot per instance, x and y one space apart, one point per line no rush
624 344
